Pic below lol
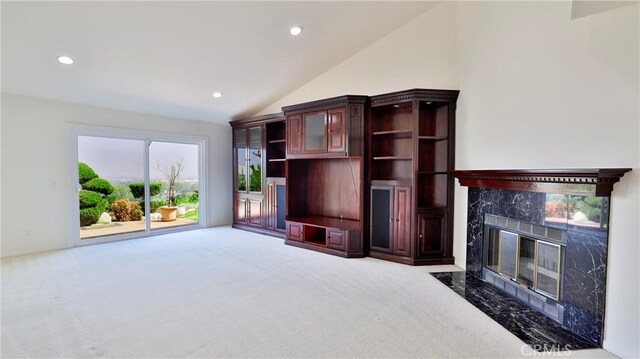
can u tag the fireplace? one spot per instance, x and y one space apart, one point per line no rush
525 255
541 237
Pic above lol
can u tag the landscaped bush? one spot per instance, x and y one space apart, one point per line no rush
125 210
98 185
92 196
137 189
85 173
89 199
111 198
89 216
155 204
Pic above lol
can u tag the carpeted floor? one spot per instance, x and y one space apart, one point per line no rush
221 292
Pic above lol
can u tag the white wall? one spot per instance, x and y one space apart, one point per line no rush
421 52
37 189
538 90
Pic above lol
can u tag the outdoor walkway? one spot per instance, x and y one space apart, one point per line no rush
98 230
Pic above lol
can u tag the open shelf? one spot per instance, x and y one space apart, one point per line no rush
433 120
433 138
432 190
394 133
276 148
327 222
403 158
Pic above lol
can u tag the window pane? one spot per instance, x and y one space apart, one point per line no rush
548 268
108 169
173 170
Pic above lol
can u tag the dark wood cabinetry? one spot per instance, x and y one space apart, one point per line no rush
352 175
259 160
326 128
410 151
325 175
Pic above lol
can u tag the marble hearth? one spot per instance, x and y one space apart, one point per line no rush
550 231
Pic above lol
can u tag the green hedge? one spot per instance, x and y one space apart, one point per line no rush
89 216
85 173
137 189
89 199
98 185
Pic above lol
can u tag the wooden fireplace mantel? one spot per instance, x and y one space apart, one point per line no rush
593 181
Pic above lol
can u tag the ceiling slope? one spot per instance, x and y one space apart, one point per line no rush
167 58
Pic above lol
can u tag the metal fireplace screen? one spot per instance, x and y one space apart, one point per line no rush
532 262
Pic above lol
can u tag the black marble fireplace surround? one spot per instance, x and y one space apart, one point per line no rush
548 200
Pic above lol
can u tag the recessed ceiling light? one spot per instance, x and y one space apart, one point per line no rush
217 94
295 31
65 60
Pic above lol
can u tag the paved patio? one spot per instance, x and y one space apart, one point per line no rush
98 230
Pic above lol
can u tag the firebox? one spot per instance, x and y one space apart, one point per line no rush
533 261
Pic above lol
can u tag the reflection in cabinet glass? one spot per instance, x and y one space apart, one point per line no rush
255 159
315 131
241 159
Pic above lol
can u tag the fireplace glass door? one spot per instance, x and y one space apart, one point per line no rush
533 263
548 268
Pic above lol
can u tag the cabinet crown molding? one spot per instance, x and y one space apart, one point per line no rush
415 95
326 103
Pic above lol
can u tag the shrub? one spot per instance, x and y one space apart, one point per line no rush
89 216
155 204
98 185
85 173
122 191
125 210
137 189
89 199
194 197
111 198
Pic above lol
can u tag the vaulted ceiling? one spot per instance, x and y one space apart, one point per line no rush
167 58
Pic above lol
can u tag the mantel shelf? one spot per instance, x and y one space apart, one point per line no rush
540 180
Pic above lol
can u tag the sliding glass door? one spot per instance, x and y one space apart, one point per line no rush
130 187
173 169
107 170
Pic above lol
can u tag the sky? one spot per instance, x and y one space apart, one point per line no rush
114 158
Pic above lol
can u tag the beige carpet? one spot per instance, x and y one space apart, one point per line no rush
221 292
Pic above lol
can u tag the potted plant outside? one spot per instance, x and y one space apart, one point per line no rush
171 173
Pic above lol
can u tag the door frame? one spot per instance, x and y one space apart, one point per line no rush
77 130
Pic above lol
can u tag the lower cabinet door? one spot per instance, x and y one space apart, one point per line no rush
381 219
294 232
271 206
402 217
255 212
239 210
336 239
431 234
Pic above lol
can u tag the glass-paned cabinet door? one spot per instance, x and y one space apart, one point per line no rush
315 131
240 152
255 159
